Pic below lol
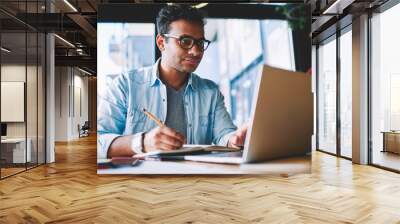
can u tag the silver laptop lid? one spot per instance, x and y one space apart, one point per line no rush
281 121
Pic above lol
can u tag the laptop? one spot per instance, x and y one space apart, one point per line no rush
281 120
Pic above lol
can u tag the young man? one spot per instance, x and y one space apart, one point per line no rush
191 108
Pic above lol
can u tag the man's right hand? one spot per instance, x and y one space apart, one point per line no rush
162 138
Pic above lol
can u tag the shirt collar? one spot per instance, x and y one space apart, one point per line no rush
155 76
191 82
155 73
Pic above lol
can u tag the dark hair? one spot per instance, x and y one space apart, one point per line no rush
171 13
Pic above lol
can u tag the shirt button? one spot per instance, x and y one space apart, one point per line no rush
163 100
190 125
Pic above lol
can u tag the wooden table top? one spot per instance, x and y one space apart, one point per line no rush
291 165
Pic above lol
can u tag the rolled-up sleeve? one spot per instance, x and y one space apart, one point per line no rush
111 114
223 126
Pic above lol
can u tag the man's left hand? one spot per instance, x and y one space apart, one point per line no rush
237 140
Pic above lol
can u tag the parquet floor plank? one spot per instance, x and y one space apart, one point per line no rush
70 191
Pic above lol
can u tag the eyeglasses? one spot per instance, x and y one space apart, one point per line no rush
187 42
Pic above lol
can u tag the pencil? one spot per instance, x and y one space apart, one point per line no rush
152 117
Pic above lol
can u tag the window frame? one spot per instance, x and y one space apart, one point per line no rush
379 10
333 37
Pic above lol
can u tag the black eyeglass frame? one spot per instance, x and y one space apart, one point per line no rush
206 42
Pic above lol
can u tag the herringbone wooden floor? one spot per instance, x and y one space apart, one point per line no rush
70 191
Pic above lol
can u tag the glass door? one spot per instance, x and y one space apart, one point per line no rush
22 77
326 85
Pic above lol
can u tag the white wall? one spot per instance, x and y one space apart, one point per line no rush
61 103
12 73
70 83
80 84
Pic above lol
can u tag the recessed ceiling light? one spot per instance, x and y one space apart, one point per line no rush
200 5
64 40
70 5
84 71
5 50
337 7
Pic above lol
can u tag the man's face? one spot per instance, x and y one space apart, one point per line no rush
174 55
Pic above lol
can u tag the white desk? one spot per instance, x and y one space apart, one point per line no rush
18 149
283 166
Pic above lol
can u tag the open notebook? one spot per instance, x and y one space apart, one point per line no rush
189 150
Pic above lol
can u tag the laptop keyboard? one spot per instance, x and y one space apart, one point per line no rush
225 154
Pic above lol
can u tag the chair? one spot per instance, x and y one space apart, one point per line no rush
84 130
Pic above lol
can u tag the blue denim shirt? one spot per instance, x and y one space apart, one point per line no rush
119 108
